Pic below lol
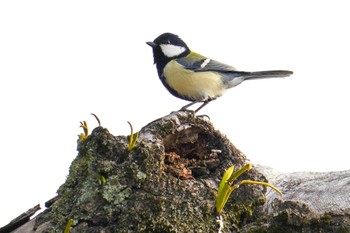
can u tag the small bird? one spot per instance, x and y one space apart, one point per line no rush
196 78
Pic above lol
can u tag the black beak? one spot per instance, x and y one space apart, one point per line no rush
152 44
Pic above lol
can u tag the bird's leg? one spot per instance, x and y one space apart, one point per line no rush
200 107
184 108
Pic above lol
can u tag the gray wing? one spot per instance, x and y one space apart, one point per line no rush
199 63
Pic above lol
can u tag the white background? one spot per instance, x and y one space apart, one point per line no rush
62 60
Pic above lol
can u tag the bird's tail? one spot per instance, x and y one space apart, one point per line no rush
267 74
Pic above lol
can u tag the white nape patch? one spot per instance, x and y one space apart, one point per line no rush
170 50
205 63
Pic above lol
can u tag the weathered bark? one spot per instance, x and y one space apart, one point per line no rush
20 220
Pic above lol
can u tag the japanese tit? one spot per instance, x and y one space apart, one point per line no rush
193 77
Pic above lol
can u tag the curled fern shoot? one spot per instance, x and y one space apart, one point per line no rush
98 120
132 138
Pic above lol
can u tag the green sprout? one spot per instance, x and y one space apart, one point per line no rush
84 136
133 138
226 185
68 226
102 179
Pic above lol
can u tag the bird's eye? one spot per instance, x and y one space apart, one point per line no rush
168 42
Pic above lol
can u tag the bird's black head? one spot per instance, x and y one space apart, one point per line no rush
168 46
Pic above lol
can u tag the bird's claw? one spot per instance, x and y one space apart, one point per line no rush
204 115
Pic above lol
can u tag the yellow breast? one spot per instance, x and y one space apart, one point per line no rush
193 85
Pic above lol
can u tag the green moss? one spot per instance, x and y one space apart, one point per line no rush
114 192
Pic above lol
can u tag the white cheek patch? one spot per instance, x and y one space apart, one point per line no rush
170 50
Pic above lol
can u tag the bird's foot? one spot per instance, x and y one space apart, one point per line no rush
204 115
187 111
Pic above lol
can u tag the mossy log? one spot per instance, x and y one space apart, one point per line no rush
168 183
